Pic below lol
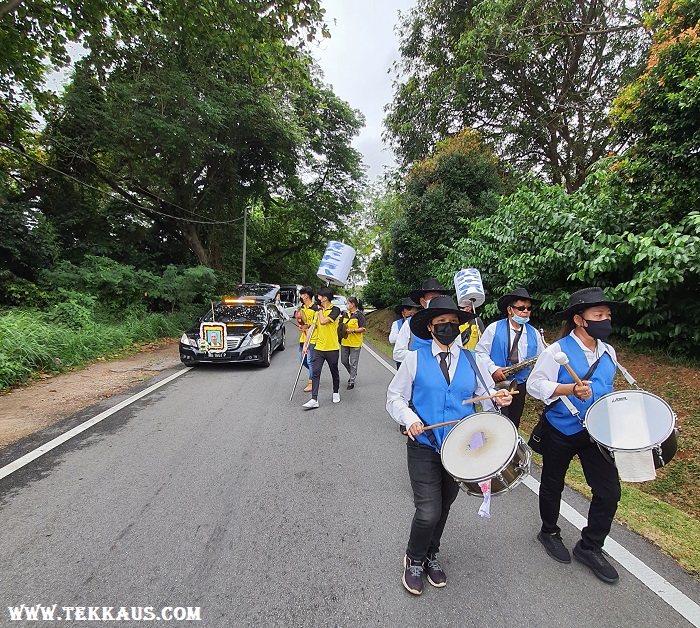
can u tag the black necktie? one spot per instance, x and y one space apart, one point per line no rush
513 356
443 366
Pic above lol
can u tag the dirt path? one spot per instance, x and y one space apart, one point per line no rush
41 403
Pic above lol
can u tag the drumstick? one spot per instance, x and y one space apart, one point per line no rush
561 358
500 393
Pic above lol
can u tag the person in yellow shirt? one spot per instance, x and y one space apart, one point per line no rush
327 347
306 314
354 323
471 330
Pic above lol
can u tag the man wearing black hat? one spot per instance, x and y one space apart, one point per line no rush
429 389
509 341
404 311
406 341
587 323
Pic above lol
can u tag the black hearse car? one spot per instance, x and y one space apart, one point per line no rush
254 330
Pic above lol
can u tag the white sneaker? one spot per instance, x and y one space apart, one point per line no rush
311 403
336 397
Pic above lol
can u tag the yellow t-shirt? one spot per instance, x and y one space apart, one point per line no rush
309 316
328 334
353 340
473 338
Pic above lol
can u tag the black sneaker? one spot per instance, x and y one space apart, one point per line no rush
597 562
434 572
351 386
555 547
412 576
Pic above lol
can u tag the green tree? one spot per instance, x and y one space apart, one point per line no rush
444 193
190 123
534 76
658 116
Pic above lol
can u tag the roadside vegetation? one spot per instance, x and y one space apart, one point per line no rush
666 511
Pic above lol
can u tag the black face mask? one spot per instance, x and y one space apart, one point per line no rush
445 333
599 330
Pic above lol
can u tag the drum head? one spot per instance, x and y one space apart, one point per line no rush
479 446
629 420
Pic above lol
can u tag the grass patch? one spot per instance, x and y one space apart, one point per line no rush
664 511
31 343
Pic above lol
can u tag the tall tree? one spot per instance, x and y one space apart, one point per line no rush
659 117
534 76
198 112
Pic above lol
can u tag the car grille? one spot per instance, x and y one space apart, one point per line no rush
233 342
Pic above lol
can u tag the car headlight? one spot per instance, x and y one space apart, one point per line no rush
186 340
257 339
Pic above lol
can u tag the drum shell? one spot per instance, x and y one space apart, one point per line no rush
668 450
505 460
509 477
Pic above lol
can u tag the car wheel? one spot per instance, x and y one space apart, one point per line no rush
282 342
266 354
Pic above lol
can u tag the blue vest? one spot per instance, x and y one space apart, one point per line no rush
414 342
401 322
436 402
499 347
601 384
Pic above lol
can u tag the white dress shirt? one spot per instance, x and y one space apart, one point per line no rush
483 347
394 333
542 381
402 342
400 390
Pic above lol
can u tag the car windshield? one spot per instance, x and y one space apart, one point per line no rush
237 314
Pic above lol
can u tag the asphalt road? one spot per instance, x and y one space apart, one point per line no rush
216 492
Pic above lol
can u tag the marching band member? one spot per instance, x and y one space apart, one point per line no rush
587 324
307 314
428 389
327 347
503 343
350 347
404 311
405 341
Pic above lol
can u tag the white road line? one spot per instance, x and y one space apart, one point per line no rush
677 600
379 359
645 574
59 440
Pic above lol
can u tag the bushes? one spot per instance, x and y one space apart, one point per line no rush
30 341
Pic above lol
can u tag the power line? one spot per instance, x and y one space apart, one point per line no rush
72 150
116 196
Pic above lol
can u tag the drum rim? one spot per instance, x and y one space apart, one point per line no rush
630 390
485 477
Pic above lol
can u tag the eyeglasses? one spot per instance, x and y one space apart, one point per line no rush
522 308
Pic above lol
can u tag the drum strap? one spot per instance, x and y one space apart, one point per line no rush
569 406
477 372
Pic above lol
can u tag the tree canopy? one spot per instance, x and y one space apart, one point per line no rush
534 76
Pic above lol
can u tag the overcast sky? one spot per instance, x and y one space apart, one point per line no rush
356 62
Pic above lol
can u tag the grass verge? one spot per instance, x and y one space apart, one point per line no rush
664 511
30 343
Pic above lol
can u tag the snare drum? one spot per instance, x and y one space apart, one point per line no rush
633 420
485 446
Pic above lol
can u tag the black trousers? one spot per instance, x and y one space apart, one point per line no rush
558 450
515 410
317 363
434 492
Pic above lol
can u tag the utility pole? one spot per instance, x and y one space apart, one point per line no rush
245 237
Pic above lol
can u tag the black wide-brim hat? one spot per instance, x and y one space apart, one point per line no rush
429 285
515 295
583 299
406 304
436 307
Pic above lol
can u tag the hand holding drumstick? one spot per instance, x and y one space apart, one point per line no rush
581 389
